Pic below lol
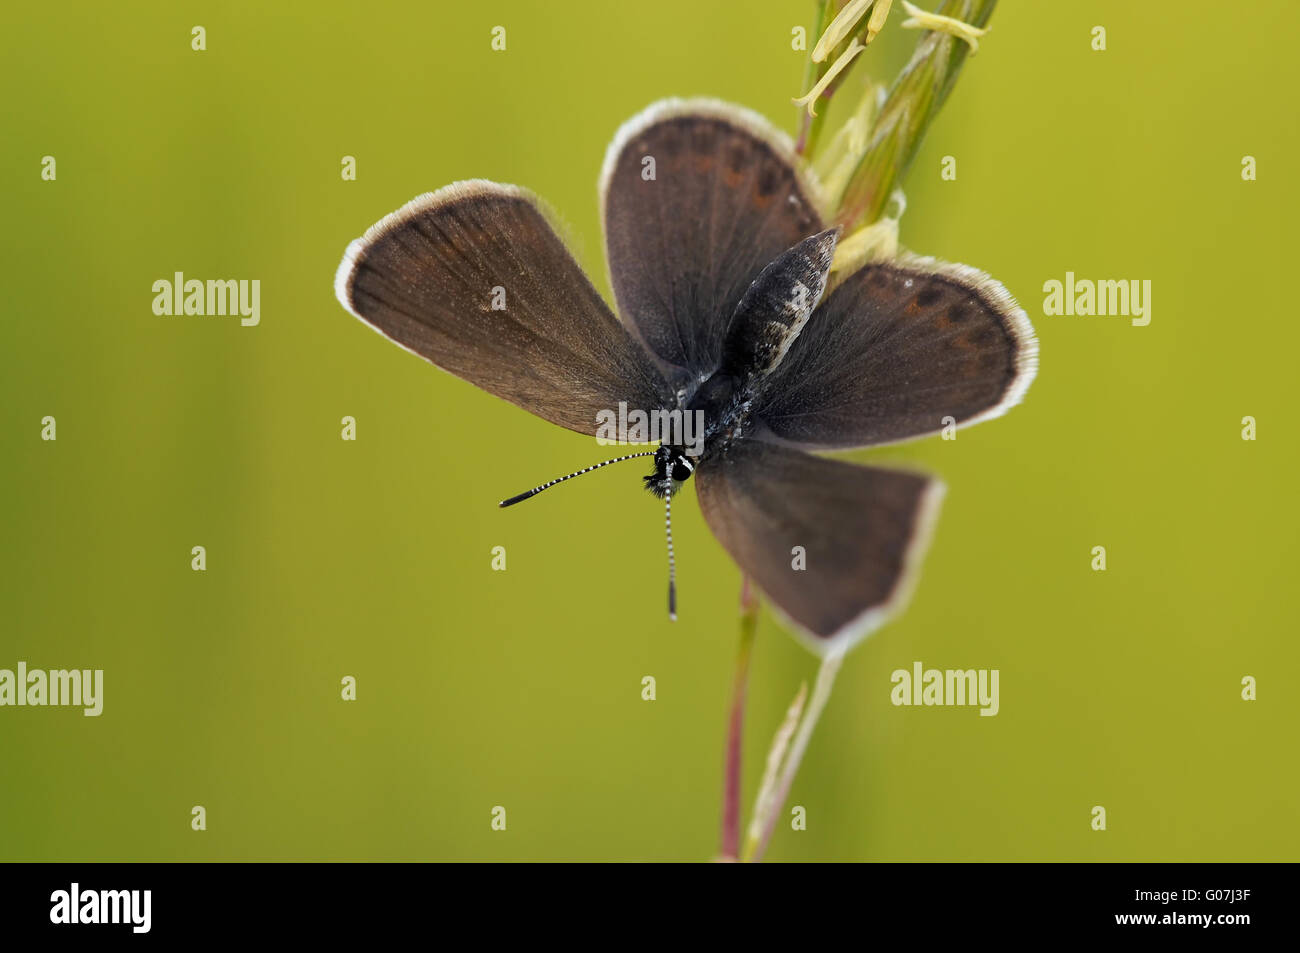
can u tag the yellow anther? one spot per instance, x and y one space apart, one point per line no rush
846 20
878 16
919 19
840 27
810 98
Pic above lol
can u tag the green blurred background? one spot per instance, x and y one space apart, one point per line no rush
479 688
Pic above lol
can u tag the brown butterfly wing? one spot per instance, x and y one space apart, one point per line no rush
896 348
474 279
697 196
833 545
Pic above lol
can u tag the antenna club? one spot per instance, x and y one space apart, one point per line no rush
672 562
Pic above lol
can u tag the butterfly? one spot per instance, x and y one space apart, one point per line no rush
719 253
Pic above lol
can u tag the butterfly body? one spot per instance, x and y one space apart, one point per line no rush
720 268
766 322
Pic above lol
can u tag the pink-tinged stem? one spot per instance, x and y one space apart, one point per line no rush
805 125
736 726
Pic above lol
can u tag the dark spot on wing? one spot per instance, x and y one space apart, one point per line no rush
737 156
929 296
771 178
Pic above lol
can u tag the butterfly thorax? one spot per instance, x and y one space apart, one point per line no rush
724 402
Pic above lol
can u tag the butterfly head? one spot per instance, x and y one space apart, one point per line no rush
672 467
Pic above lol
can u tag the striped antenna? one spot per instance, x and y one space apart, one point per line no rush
672 566
546 486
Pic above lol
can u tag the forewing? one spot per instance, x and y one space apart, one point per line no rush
834 546
895 349
697 196
474 279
